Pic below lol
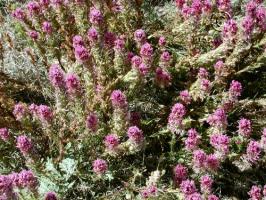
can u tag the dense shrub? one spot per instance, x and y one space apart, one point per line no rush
133 100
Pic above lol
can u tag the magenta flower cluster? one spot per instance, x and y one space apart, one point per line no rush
73 86
199 158
42 112
180 173
20 111
93 35
253 151
140 36
230 29
144 69
185 97
195 9
92 122
176 116
257 193
45 113
143 63
27 179
203 73
165 57
47 27
149 192
219 69
224 5
95 16
244 127
218 119
235 89
188 187
80 50
33 35
220 142
5 184
206 184
136 61
24 144
19 14
56 76
162 77
77 40
202 162
24 179
193 140
4 134
34 8
66 82
205 83
119 44
162 41
146 51
50 196
255 17
111 142
81 53
135 135
189 190
118 99
100 166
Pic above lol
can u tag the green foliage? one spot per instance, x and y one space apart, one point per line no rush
66 148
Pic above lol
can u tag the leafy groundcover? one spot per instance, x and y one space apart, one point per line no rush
132 99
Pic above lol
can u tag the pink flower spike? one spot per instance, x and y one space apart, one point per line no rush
162 41
111 141
57 76
100 166
92 122
180 173
118 99
244 127
135 135
24 144
140 36
188 187
95 16
185 97
4 134
47 27
146 50
255 192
